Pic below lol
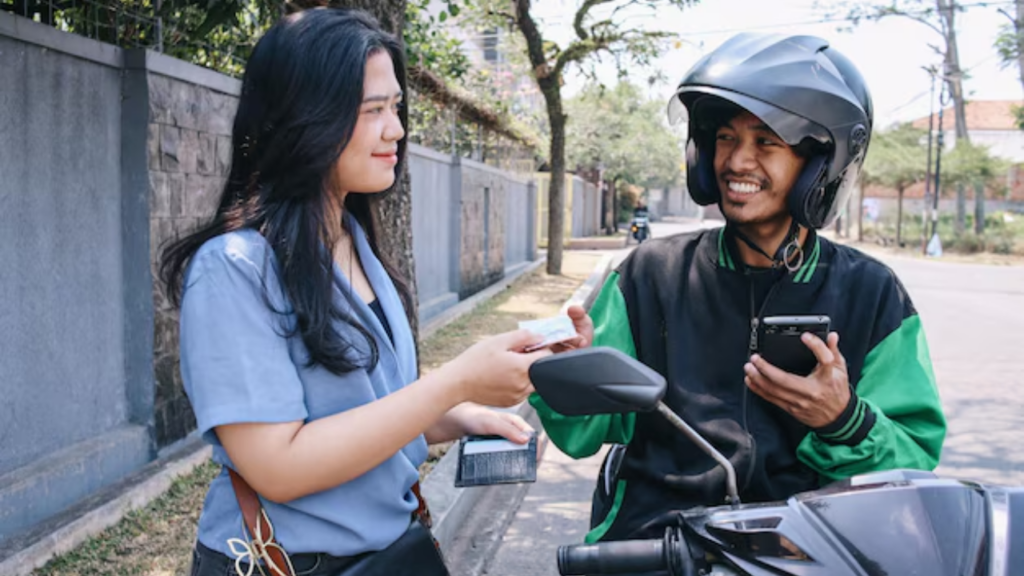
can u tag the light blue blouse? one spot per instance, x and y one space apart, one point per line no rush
238 366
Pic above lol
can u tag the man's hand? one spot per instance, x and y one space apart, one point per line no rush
584 331
816 400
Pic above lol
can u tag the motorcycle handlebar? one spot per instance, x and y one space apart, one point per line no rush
623 557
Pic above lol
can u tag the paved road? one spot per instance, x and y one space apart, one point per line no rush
974 320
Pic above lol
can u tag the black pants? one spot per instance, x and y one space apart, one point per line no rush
207 562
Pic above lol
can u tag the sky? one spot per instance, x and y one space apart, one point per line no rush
890 53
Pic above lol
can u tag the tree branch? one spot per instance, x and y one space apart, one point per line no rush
916 17
534 41
582 14
504 15
580 49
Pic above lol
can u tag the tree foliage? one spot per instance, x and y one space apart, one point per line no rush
622 132
897 158
972 165
1010 45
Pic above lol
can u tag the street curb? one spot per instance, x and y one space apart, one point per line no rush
102 510
462 308
450 507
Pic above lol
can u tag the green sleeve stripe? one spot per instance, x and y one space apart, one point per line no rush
601 529
851 427
902 423
582 436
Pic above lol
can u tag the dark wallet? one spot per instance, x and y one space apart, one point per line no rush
486 460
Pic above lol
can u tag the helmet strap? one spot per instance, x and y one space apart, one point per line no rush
789 254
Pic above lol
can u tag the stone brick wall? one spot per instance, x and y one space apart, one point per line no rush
189 150
482 258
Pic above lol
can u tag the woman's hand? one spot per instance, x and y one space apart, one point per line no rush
495 371
478 420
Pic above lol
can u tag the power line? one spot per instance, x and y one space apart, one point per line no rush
832 20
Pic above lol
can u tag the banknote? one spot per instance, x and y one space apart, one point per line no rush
554 330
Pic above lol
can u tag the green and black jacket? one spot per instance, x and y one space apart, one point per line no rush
683 305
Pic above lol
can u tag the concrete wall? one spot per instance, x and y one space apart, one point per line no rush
76 395
482 252
191 111
582 207
520 242
436 197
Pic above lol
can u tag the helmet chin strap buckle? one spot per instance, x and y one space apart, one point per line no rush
793 254
790 254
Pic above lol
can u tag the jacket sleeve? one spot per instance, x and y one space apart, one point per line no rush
894 419
582 436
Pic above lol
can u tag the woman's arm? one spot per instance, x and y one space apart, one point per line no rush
285 461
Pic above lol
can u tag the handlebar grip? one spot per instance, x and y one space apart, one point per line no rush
612 557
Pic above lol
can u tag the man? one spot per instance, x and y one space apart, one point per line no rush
778 130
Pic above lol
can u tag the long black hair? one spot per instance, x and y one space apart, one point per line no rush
301 96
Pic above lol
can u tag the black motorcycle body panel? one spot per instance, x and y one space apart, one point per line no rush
885 524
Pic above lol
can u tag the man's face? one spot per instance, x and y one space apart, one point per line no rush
755 170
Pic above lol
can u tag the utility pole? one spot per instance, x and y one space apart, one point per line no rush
928 175
938 162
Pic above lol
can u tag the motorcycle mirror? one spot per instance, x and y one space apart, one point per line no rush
597 380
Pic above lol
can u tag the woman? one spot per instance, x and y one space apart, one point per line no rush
296 352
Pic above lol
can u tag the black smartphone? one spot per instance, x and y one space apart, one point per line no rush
779 341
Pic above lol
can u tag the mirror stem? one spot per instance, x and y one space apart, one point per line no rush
730 473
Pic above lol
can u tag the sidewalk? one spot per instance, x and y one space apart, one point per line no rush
555 512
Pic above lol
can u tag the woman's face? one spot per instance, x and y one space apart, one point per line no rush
367 164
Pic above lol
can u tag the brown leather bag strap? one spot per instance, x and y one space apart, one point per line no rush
256 523
422 511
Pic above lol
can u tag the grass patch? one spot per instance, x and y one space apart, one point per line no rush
152 541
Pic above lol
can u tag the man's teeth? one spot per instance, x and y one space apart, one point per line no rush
743 187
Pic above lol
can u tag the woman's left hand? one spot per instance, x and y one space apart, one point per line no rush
479 420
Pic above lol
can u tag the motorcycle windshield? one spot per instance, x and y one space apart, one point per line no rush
916 528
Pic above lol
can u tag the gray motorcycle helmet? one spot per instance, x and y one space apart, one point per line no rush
809 94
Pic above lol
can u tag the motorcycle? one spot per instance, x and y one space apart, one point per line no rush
639 228
897 522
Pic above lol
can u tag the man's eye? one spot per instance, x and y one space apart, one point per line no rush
723 137
767 142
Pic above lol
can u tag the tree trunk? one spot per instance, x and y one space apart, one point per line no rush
550 82
556 192
979 208
961 208
899 217
954 80
947 8
608 202
393 209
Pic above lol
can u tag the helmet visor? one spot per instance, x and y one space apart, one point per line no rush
703 100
